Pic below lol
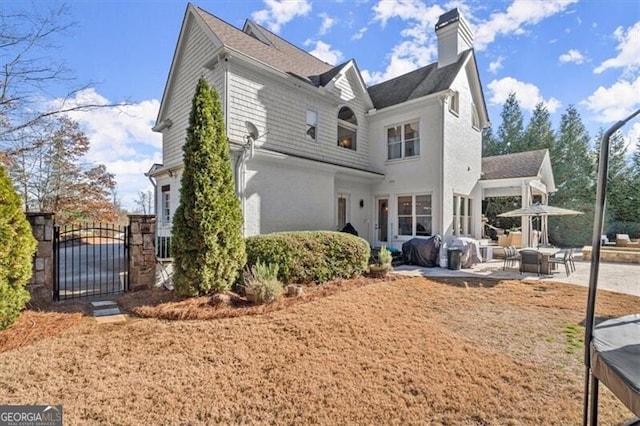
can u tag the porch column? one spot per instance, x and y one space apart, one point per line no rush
526 220
142 252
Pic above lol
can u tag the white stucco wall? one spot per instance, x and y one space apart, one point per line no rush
287 198
462 157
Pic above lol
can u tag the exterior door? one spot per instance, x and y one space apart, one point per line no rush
342 211
382 221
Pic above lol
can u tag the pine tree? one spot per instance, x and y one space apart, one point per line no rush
511 129
490 145
17 245
208 246
539 133
574 175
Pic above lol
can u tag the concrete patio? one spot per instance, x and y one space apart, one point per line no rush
617 277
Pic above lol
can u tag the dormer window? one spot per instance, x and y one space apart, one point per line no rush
454 103
347 128
312 125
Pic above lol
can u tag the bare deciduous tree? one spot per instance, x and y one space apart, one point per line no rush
145 202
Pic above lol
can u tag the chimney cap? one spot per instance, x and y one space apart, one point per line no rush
448 18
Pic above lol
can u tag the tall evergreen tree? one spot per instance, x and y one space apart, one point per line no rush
208 246
539 132
490 145
511 129
574 175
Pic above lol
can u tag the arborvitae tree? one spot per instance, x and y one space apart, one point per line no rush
539 133
208 246
574 176
17 245
511 129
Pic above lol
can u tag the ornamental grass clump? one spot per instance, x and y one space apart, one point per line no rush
384 257
17 245
261 284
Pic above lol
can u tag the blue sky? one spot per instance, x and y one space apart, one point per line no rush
585 53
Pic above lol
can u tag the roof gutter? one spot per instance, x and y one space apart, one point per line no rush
407 104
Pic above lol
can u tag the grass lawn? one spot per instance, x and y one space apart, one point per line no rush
400 351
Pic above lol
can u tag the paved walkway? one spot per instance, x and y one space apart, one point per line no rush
618 277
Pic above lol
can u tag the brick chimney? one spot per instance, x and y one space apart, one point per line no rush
454 37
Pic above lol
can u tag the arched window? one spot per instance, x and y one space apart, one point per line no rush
347 128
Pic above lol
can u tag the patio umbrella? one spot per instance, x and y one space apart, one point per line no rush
542 211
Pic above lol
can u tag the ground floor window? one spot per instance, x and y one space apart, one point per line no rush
166 204
462 215
414 215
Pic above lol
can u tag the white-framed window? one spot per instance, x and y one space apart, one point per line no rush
166 204
347 128
403 140
414 215
475 119
462 215
454 103
312 125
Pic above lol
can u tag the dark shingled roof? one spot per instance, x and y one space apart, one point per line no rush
416 84
281 55
518 165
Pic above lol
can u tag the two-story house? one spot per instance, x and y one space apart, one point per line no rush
314 148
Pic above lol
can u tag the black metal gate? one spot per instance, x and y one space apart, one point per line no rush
90 260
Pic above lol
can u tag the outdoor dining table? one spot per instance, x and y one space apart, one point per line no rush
546 252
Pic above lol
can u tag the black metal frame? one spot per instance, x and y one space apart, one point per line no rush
590 406
89 258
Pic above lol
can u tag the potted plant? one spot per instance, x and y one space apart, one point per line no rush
383 265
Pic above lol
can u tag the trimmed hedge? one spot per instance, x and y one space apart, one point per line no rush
310 256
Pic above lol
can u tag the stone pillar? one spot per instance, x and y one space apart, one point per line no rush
41 284
142 252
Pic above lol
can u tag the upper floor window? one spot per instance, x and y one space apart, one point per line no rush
454 103
347 128
312 125
475 120
403 140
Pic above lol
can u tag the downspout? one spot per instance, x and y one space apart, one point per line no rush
241 184
441 174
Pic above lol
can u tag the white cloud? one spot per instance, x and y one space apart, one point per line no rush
496 65
323 51
616 102
628 50
572 56
407 10
121 139
528 94
279 12
519 14
359 34
327 23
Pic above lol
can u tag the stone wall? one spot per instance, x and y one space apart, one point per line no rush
142 252
41 284
614 254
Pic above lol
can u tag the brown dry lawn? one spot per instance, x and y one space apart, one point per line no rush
398 351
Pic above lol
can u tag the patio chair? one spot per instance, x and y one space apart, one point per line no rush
564 260
530 257
511 257
572 260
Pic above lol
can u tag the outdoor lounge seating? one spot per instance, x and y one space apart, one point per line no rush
623 240
511 257
531 258
564 260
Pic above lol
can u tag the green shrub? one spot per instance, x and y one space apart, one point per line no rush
310 256
261 279
384 257
17 245
207 245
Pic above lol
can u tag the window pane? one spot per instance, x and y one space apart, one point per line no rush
393 134
423 205
347 114
395 151
346 138
411 131
423 225
404 206
405 226
312 124
411 149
